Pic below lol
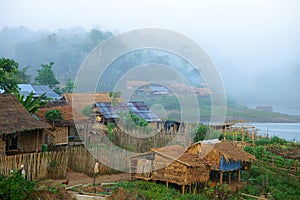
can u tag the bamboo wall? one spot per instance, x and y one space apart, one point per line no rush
141 141
37 165
81 160
61 135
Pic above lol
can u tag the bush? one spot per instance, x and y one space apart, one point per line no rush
200 133
15 187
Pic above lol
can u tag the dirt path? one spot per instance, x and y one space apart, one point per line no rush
80 178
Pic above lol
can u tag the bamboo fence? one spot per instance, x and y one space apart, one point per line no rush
37 165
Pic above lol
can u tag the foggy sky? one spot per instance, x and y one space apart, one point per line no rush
255 44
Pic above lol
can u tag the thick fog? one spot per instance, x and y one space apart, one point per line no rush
255 44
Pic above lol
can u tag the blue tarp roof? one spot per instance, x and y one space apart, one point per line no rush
139 109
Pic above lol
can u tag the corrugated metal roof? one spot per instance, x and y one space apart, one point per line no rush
38 90
139 109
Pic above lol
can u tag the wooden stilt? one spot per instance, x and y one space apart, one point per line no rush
183 188
221 177
239 175
167 184
229 177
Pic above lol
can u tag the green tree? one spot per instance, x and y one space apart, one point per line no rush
31 103
68 88
200 133
54 115
46 76
8 71
22 77
114 98
87 110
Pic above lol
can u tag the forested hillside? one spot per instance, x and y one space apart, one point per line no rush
65 47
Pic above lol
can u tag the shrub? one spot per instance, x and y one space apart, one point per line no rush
15 187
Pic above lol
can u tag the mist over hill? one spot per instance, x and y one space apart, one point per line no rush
277 86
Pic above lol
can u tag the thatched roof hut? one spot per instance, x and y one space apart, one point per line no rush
170 164
19 131
218 150
15 118
224 156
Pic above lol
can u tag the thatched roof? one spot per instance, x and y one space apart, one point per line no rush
214 151
229 151
80 100
67 113
178 153
15 118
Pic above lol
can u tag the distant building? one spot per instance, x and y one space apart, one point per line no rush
109 114
264 108
38 90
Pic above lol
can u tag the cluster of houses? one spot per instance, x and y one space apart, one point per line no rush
143 88
21 132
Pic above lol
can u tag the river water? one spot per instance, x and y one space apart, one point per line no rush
288 131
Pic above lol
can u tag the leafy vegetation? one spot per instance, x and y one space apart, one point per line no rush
31 103
149 190
204 132
68 88
8 73
54 115
87 110
15 187
46 76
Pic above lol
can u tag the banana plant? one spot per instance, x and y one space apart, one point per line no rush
31 103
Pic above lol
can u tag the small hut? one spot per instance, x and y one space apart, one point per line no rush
224 156
65 131
20 132
170 164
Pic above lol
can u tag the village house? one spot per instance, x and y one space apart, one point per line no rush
38 90
224 156
110 113
64 130
20 132
196 164
170 164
